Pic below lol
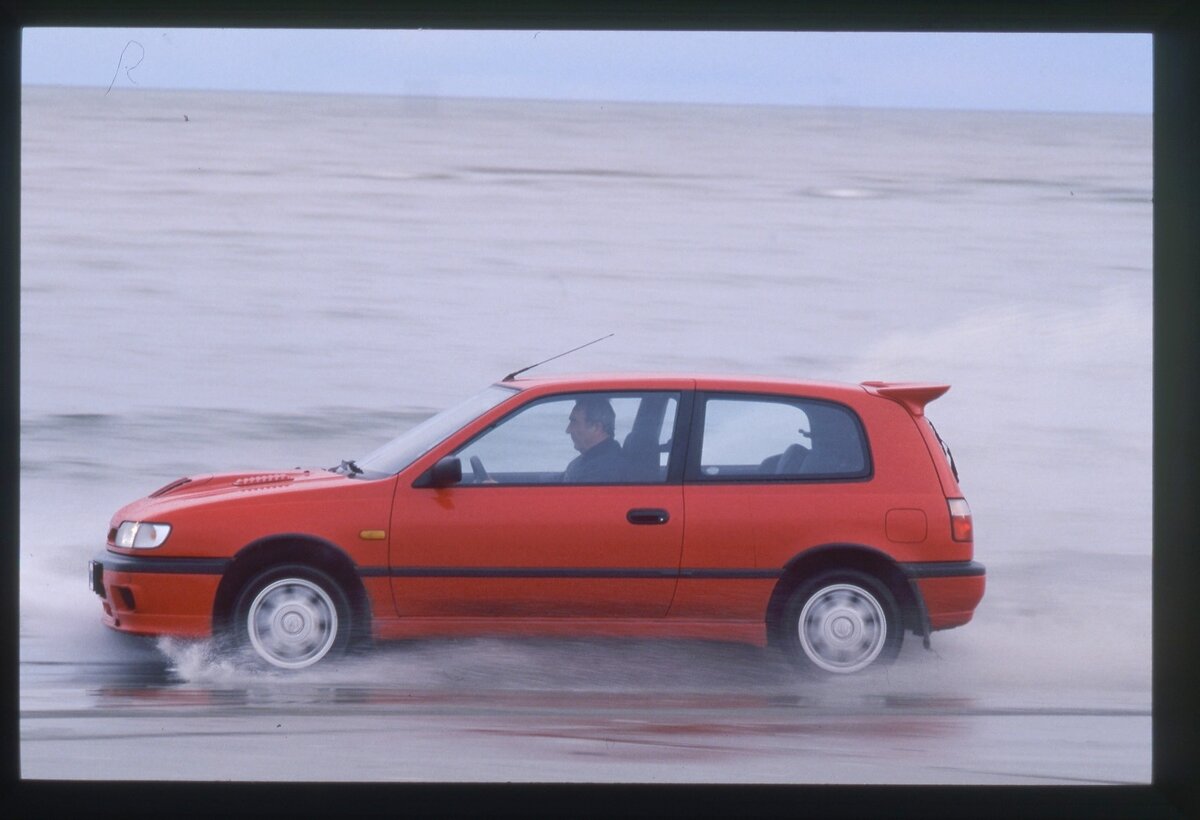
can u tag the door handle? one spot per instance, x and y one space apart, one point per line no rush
647 515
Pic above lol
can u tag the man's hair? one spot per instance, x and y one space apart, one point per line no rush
599 411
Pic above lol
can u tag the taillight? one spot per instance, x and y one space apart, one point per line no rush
960 519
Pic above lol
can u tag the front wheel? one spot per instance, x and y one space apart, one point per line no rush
293 616
841 622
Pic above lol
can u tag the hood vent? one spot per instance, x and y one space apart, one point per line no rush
260 480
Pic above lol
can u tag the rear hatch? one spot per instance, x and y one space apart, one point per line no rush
914 396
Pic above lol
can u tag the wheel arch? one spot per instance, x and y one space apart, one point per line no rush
860 557
292 548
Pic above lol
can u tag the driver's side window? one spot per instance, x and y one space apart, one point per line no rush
578 438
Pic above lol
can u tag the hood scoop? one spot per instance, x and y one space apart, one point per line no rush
174 485
264 480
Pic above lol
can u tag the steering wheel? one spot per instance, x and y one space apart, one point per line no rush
477 470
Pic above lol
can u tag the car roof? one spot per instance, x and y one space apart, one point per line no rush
681 381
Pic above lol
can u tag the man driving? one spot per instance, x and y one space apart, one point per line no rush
591 427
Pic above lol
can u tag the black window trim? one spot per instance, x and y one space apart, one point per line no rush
692 474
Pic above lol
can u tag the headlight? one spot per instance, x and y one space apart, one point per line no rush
141 534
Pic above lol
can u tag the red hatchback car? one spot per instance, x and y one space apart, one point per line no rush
824 518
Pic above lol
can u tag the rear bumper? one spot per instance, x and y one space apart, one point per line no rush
157 596
947 591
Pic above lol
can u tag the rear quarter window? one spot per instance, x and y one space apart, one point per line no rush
746 437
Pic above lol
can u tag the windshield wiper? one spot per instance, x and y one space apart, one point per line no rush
348 467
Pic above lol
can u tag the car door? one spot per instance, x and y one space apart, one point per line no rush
518 537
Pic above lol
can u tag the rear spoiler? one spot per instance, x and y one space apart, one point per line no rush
913 395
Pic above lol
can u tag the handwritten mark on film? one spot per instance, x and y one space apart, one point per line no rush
123 64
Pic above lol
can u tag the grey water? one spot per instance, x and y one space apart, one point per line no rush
216 281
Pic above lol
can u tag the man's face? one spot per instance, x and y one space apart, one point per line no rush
584 434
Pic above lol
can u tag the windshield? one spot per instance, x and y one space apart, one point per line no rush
403 450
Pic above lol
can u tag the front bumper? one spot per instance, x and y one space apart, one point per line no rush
146 595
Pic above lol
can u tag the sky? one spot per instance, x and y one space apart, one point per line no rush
1090 72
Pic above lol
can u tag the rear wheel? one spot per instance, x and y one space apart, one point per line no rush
293 616
840 622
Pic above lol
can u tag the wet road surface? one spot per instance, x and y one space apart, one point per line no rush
552 711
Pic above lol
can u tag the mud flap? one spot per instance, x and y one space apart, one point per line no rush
923 627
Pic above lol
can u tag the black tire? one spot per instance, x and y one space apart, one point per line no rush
292 616
840 622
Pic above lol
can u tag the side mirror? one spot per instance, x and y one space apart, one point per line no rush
447 471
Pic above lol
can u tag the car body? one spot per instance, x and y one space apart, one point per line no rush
825 518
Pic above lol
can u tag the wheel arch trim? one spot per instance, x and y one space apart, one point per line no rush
291 547
851 556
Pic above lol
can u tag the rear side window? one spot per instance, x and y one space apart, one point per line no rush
779 438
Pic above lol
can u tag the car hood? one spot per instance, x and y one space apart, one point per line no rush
248 486
216 483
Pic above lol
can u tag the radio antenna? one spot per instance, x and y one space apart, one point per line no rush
516 373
